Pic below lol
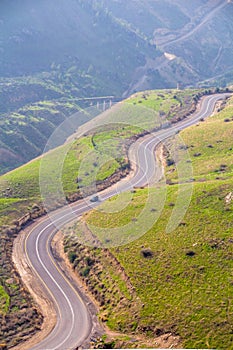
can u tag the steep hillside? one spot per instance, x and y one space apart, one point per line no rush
71 33
177 285
189 35
20 193
52 55
58 52
146 16
112 38
206 43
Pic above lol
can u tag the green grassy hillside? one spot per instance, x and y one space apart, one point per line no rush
20 187
32 108
20 193
178 282
20 190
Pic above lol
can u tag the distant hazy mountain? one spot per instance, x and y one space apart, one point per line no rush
64 50
38 35
195 39
112 38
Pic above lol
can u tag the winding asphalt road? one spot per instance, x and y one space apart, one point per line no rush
74 323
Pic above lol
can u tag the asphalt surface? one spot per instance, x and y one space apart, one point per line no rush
74 323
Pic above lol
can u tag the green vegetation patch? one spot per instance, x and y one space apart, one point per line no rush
209 145
11 209
169 104
4 301
157 100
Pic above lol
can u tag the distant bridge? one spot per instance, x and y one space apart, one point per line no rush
102 102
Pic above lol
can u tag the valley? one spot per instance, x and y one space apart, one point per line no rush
116 174
43 83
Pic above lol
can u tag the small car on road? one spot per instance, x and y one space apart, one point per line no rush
94 199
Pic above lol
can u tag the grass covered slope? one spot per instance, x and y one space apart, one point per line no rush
182 281
31 109
19 189
20 193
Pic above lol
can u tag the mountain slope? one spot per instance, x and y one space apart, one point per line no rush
176 284
196 35
112 38
20 194
54 53
36 34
